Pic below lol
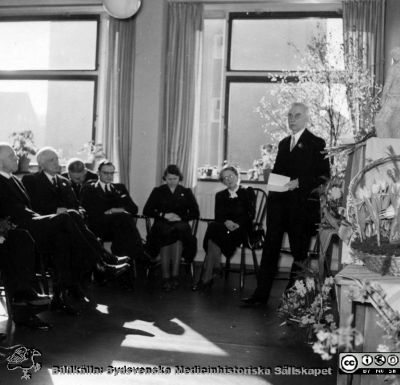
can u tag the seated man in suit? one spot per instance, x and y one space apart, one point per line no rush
17 261
56 233
51 193
78 174
300 157
110 211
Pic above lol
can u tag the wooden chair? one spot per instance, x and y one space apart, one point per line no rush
255 240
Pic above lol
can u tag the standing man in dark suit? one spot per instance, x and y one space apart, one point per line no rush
110 211
300 158
78 174
55 233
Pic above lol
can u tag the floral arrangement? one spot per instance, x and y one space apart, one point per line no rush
267 160
5 226
208 171
93 151
332 205
23 144
309 304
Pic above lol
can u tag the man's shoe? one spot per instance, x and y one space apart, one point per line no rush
33 322
58 303
254 301
30 297
112 259
122 259
77 293
105 272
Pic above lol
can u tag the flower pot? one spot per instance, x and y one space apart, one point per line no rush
23 164
266 172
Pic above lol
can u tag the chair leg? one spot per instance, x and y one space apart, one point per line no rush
227 267
242 267
255 262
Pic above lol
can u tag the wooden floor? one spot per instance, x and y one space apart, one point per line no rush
152 329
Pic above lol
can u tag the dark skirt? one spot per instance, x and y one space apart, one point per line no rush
164 233
225 239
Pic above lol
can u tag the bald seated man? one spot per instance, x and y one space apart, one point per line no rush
79 175
55 233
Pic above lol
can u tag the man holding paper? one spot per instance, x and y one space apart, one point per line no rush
299 168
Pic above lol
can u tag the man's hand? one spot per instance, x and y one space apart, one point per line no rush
230 225
114 210
293 184
172 217
61 210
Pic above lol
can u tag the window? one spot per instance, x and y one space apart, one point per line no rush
48 81
252 52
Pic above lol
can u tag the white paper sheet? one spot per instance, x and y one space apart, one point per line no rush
277 182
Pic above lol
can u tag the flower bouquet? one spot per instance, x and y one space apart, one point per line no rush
331 198
310 304
375 215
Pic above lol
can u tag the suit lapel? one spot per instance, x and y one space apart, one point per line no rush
100 190
18 188
44 181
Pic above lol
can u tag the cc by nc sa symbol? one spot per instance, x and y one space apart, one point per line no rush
348 363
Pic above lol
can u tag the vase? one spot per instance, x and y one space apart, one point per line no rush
23 164
266 172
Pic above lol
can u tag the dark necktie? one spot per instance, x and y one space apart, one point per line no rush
54 181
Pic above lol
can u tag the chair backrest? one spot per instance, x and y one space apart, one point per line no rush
261 206
256 237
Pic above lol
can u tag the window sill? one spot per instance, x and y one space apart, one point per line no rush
241 181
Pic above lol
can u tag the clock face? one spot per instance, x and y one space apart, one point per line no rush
121 9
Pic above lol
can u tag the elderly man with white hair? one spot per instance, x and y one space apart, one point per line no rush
51 193
55 233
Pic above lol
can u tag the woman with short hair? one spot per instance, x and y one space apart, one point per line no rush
172 206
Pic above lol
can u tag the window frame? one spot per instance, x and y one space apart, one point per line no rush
61 75
257 76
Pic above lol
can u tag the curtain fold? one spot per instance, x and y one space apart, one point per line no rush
184 26
363 28
363 37
118 109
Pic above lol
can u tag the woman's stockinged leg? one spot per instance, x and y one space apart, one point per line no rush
212 261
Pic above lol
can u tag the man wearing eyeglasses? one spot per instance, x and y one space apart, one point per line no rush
300 157
110 210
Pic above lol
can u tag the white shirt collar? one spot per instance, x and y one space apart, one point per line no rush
297 135
103 185
232 193
5 174
49 177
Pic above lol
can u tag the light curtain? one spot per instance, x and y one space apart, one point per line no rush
118 109
184 26
363 28
363 32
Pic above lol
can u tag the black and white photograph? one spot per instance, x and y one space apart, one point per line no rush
200 191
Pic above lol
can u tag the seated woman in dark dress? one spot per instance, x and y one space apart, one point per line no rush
234 212
172 206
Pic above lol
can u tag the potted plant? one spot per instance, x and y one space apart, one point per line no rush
94 153
23 144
